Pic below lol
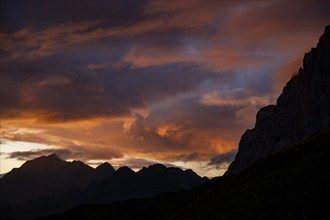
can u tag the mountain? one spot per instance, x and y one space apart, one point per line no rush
151 181
302 109
281 170
40 176
49 185
46 184
102 171
292 184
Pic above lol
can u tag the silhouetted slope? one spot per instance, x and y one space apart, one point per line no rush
301 110
293 184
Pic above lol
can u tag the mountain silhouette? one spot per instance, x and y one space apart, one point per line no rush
151 181
49 185
41 184
302 109
102 171
281 170
40 176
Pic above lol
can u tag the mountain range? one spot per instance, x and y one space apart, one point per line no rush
48 185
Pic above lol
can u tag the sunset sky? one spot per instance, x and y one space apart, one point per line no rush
142 82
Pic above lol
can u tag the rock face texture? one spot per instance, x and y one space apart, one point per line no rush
302 109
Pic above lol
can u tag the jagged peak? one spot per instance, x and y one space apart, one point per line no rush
189 171
53 155
124 169
154 168
157 166
50 157
104 165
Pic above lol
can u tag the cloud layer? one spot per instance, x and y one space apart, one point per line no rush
172 82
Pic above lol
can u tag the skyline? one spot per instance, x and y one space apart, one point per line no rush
136 83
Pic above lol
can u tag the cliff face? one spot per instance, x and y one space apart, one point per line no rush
302 109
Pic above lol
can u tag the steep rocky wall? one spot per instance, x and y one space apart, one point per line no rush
302 109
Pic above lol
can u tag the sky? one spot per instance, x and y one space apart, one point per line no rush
141 82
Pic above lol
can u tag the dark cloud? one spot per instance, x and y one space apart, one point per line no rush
221 161
139 163
29 155
168 81
59 90
40 14
187 157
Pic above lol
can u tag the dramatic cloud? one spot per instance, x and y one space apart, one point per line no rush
146 81
221 161
29 155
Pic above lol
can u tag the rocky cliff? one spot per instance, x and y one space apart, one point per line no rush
302 109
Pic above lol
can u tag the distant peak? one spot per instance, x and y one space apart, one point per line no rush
103 170
43 161
53 155
105 166
157 166
124 169
154 168
78 162
189 171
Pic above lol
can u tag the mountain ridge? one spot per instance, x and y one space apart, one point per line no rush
47 185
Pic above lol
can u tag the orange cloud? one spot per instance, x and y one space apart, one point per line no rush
105 138
233 98
180 83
